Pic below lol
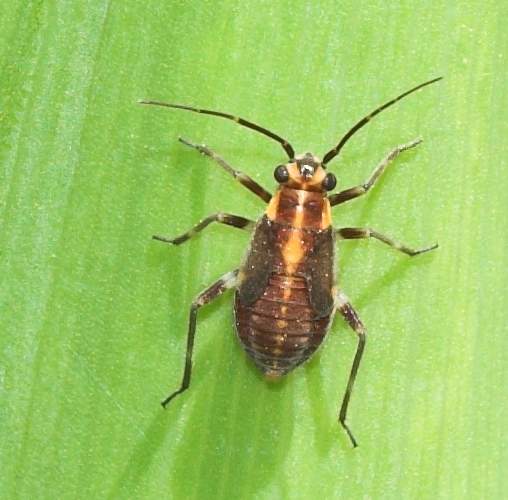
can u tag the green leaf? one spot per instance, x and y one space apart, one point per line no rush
94 313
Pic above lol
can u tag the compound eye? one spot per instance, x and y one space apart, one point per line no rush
329 182
281 173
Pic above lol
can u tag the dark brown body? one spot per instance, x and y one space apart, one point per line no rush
284 300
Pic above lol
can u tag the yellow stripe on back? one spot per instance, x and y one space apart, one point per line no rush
293 250
326 214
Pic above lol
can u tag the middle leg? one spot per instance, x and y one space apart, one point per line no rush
228 219
351 233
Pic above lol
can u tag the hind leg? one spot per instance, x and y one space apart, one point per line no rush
345 308
218 288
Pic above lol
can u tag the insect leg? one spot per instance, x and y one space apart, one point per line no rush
228 219
218 288
346 309
350 233
354 192
242 178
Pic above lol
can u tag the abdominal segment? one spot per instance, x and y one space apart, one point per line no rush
280 329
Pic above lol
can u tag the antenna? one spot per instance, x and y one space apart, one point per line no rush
335 151
285 144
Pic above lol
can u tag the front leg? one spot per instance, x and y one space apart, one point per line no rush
354 192
242 178
351 233
228 219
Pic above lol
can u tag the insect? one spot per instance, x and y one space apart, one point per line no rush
286 292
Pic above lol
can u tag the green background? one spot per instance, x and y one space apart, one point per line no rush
93 312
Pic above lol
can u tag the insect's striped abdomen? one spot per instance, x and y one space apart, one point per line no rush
280 330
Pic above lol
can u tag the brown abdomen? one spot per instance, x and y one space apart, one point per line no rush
280 330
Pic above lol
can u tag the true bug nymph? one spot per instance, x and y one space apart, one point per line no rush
286 292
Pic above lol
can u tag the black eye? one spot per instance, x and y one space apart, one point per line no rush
281 174
329 182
